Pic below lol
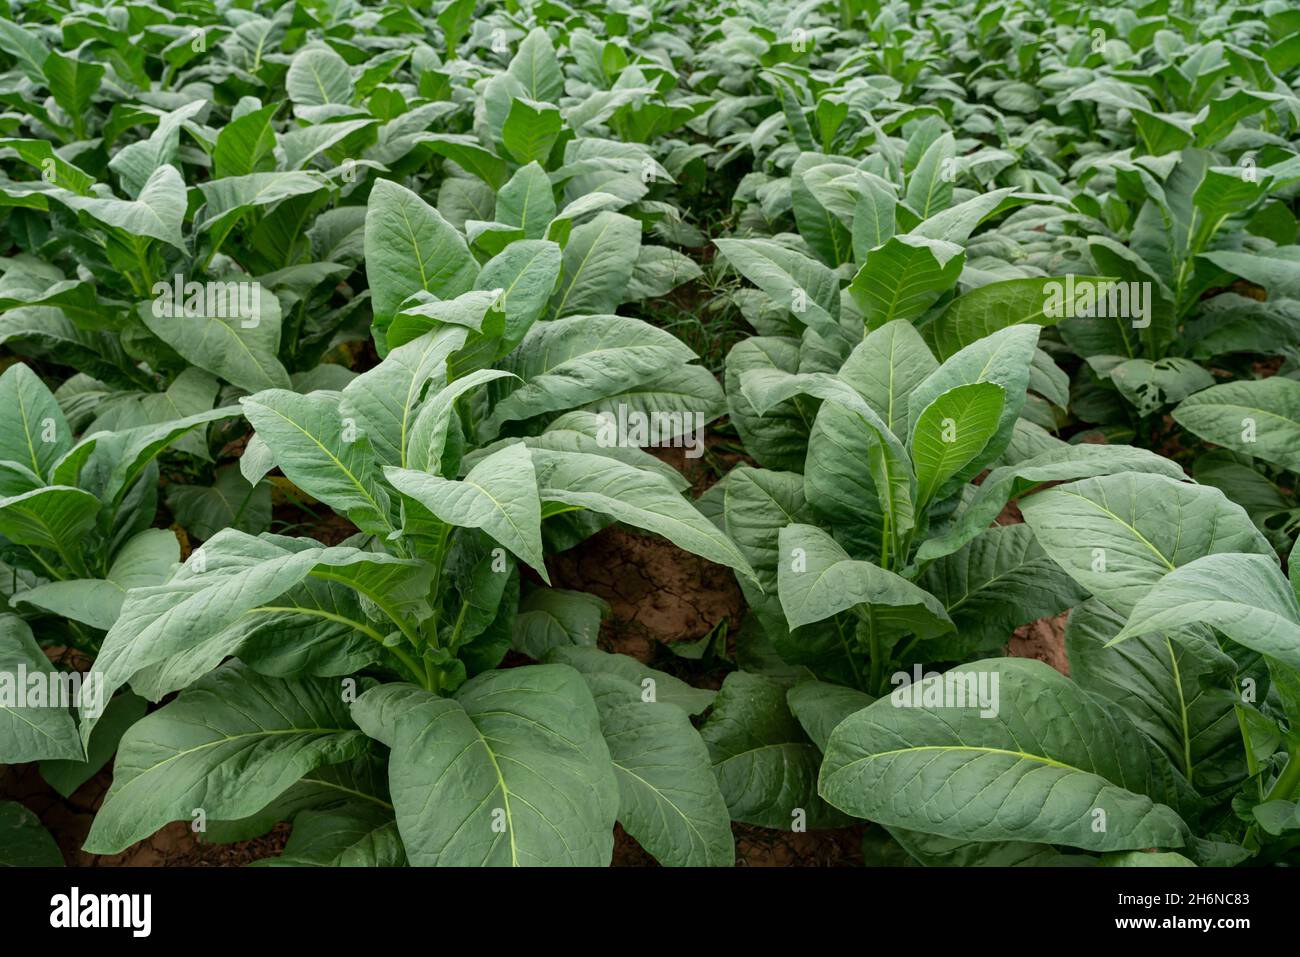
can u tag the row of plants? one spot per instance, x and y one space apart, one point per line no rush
397 268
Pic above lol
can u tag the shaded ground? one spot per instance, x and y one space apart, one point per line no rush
658 593
69 820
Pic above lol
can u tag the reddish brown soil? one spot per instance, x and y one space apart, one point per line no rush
658 593
1043 639
762 847
69 819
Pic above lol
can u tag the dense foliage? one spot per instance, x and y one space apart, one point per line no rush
997 302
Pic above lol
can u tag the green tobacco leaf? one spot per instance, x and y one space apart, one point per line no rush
886 367
428 438
664 688
1150 386
229 502
1259 417
659 270
240 345
475 311
565 363
41 154
387 397
638 497
499 495
551 618
669 799
1004 359
904 277
145 559
934 851
758 503
55 517
157 212
816 201
512 771
530 130
124 455
230 198
25 46
598 262
66 776
1062 464
820 707
1277 270
999 581
527 201
929 189
410 248
805 287
73 82
318 77
136 162
765 765
955 224
1244 596
950 432
246 145
469 154
888 463
358 834
817 579
31 729
778 437
455 20
24 842
873 219
536 67
986 309
1120 534
33 431
167 635
311 444
1041 771
1178 690
526 272
228 745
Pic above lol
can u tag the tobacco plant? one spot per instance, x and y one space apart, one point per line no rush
76 536
398 631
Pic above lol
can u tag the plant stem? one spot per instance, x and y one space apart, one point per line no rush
874 640
1288 781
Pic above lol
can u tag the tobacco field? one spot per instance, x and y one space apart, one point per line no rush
680 433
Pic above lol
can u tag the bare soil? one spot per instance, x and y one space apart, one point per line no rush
1043 639
659 594
176 845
